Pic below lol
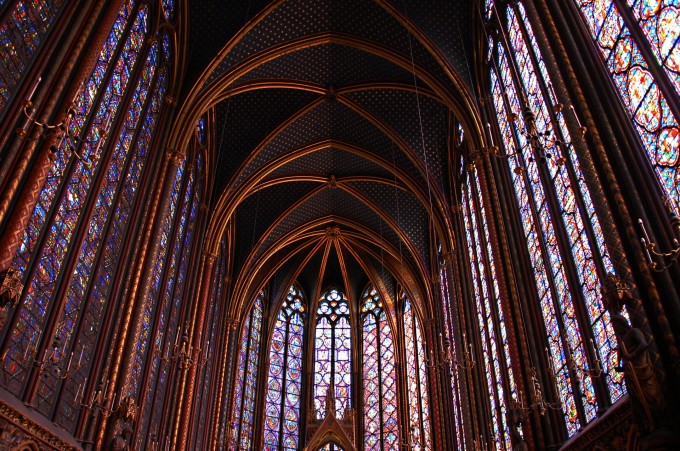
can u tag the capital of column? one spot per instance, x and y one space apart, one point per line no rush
209 256
446 260
174 157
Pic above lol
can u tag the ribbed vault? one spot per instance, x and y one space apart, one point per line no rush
332 126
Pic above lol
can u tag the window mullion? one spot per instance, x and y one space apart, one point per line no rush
284 377
381 412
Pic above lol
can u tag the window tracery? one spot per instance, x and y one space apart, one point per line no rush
636 38
284 384
333 353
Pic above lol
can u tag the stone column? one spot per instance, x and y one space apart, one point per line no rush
184 410
142 274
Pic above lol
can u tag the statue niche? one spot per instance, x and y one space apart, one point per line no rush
636 356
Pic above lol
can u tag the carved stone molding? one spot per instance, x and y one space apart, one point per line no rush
174 157
10 287
614 431
18 431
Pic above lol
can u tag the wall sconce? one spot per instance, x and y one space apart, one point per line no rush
660 261
62 129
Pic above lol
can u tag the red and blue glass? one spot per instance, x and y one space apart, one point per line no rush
284 383
243 413
379 376
416 379
332 353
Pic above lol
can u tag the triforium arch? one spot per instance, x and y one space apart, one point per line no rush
357 224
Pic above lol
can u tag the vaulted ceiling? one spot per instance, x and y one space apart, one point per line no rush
333 135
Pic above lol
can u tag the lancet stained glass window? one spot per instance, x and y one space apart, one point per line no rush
448 310
284 383
379 376
564 238
639 41
63 228
164 317
416 378
332 353
490 318
39 267
243 411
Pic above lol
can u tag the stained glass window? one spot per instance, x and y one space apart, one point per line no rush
243 411
21 34
200 130
490 320
284 383
332 353
25 333
640 43
563 233
164 305
416 379
379 376
63 228
449 311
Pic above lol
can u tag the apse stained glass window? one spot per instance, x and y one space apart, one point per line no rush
22 31
490 320
563 234
379 376
284 383
243 411
639 41
331 447
332 353
416 379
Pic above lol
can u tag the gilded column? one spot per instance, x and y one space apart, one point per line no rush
509 295
224 351
184 413
142 274
437 425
